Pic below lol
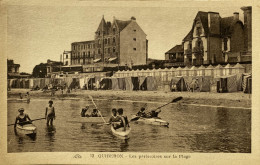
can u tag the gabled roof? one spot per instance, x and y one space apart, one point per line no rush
122 24
102 25
188 37
175 49
204 20
227 25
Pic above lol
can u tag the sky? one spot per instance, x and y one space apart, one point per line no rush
36 33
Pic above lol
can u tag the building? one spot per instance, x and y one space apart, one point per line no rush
46 69
12 67
66 58
120 43
215 40
247 54
175 56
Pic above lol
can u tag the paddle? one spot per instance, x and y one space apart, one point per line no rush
27 121
173 101
96 108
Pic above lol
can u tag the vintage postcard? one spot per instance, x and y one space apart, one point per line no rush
129 82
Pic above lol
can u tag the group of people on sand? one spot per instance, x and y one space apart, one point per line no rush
23 118
27 96
94 113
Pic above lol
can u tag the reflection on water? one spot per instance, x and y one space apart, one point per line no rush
191 129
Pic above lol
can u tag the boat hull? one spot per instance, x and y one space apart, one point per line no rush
153 121
28 129
120 133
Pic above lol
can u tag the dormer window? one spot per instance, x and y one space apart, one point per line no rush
225 43
134 39
134 30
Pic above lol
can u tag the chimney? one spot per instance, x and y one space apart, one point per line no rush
133 18
236 15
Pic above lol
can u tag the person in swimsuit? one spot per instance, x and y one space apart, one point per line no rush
22 118
28 97
95 113
153 113
50 113
141 113
123 119
83 112
114 119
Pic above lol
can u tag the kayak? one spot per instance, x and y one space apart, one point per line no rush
120 133
28 129
87 120
153 121
13 99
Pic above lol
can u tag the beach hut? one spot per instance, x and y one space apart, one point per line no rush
209 71
121 83
218 71
178 71
227 84
238 68
227 70
247 83
193 71
201 71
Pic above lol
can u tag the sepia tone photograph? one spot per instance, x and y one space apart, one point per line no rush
86 78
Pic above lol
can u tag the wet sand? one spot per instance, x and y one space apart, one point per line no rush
238 99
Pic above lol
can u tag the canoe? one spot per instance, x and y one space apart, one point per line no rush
120 133
28 129
153 121
14 99
87 119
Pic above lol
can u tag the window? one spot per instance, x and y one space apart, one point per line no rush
105 41
114 49
198 31
134 39
114 30
108 40
190 46
67 56
93 45
199 44
89 46
134 49
114 40
88 53
66 63
98 51
108 50
99 33
225 43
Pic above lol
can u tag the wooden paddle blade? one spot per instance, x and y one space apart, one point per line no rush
177 99
135 118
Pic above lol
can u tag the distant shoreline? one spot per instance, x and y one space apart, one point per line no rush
225 100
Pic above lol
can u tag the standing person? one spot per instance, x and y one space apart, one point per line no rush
114 119
123 119
53 91
28 97
50 113
21 96
23 118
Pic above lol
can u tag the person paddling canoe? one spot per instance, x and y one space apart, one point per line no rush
94 113
22 118
141 113
114 119
123 119
153 113
50 113
83 111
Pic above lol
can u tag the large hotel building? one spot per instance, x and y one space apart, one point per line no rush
120 43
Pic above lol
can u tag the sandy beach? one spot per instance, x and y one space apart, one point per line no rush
238 99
